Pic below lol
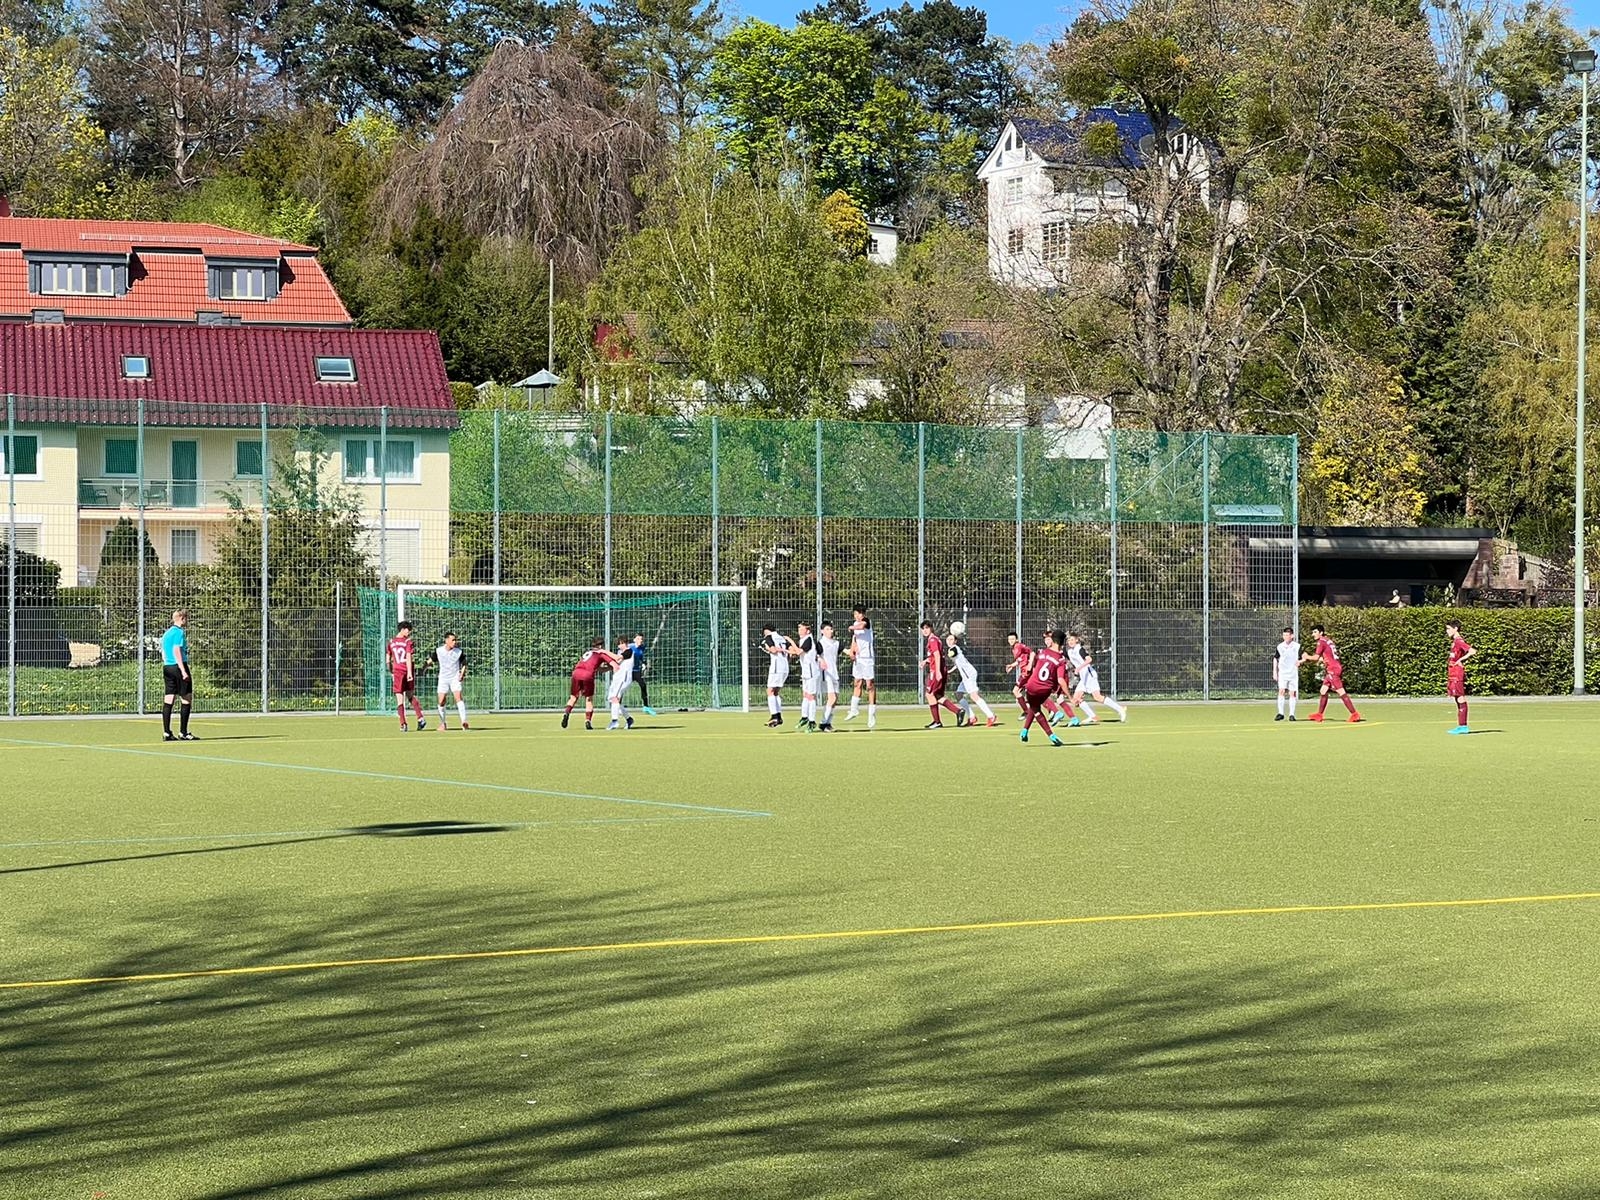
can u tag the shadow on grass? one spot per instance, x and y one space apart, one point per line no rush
922 1067
395 829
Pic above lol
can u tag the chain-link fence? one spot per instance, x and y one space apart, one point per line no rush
1173 554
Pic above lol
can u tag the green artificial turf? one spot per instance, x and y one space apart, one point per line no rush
1415 1052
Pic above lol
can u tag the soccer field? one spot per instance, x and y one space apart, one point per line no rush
1200 955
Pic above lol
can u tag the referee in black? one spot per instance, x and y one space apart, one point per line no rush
179 679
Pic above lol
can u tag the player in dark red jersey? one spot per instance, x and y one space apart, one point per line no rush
1459 653
934 664
1327 654
1021 656
401 655
594 658
1047 675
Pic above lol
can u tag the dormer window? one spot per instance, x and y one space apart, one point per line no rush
247 280
135 366
1014 191
336 370
76 275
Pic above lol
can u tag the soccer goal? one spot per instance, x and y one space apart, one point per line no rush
522 641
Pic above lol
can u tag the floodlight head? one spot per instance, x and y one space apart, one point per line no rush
1581 62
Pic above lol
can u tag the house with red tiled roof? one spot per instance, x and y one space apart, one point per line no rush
67 272
165 371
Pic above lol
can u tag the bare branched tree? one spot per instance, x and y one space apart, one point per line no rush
539 148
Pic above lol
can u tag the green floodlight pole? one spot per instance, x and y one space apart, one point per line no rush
1581 62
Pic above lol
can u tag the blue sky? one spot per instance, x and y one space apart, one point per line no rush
1023 22
1015 20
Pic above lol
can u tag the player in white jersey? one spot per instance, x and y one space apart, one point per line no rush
828 685
1088 682
777 649
863 655
969 682
451 661
809 653
621 680
1286 674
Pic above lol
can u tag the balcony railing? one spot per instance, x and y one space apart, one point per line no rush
179 494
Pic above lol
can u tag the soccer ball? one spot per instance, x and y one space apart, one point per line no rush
958 628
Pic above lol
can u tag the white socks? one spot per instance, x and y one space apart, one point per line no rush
774 705
1088 710
827 715
983 707
1283 703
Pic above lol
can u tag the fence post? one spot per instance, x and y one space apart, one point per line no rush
716 564
497 578
1111 483
1017 624
922 538
608 532
11 556
338 642
265 565
819 524
1294 538
383 519
139 620
1205 566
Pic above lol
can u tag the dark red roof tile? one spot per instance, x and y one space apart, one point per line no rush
219 376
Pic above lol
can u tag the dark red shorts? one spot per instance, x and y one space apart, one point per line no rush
936 688
1458 683
583 687
1333 680
402 685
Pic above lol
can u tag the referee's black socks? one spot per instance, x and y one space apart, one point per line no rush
183 717
166 717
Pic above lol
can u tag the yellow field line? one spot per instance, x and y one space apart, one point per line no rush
822 936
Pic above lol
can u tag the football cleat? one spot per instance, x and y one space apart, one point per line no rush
187 737
565 717
442 727
613 725
1054 740
421 724
1074 723
1461 729
1023 736
1317 717
1355 718
588 724
993 721
464 725
1279 717
169 736
630 722
934 725
647 710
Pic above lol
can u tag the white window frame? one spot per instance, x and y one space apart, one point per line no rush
26 524
228 283
38 451
129 373
1013 190
377 531
172 546
105 451
335 376
371 467
247 442
1056 244
1016 242
78 275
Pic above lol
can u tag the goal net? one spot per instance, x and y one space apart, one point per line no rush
521 642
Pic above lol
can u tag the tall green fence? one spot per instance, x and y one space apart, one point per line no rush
1171 553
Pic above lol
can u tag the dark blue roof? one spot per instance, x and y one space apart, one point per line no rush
1062 141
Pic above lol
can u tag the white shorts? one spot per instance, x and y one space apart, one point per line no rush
449 683
777 676
1089 682
1290 685
830 682
968 684
810 684
864 670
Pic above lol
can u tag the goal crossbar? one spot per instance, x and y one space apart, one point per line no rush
602 594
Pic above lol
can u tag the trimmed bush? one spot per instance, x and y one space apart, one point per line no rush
1403 652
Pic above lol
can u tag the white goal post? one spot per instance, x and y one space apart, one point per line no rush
722 613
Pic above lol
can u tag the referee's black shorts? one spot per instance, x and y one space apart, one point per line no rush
177 683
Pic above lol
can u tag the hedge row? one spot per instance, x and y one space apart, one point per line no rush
1403 652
